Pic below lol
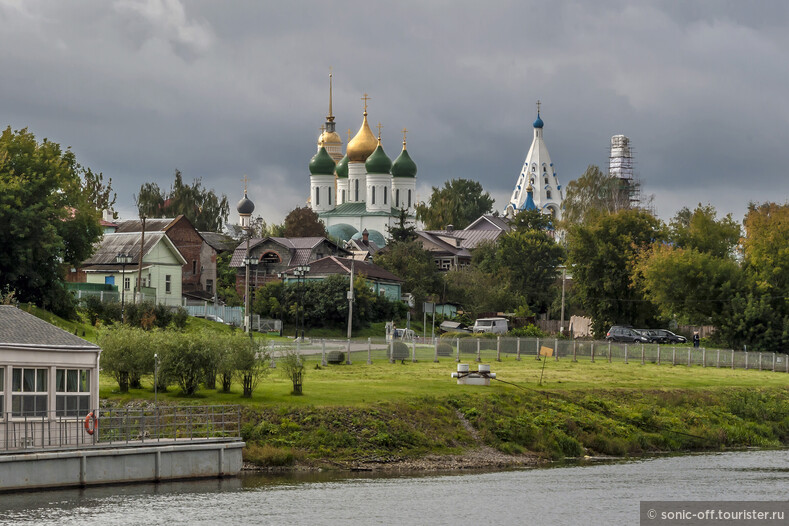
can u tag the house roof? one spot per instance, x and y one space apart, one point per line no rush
219 242
20 329
442 246
469 239
299 248
357 210
151 225
335 265
110 245
489 222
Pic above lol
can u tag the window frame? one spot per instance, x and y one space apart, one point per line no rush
168 284
80 392
37 393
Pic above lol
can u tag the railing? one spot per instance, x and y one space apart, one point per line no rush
119 426
491 349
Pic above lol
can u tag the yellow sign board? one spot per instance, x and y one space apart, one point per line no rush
546 351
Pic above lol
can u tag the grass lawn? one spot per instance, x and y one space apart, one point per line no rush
360 384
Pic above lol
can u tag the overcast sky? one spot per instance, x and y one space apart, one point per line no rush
218 90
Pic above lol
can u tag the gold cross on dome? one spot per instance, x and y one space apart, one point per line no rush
365 99
379 130
322 128
404 132
538 106
245 179
349 135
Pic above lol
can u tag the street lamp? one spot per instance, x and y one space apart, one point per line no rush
123 259
300 272
248 261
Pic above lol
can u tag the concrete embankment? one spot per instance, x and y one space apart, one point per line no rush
173 460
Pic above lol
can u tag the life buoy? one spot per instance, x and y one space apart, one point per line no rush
91 423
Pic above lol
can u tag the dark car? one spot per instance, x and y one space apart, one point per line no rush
617 333
664 336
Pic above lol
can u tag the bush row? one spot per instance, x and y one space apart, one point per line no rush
186 359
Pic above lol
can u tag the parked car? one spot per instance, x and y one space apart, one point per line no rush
494 325
665 336
618 333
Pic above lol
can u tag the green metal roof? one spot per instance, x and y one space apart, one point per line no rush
378 162
322 163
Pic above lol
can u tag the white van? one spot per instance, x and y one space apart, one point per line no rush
494 325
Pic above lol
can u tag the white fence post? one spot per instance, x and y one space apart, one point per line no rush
479 358
575 356
518 349
718 359
323 352
642 354
413 350
625 353
435 355
592 352
369 351
556 349
457 344
673 356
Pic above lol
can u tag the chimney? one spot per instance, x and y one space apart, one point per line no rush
450 228
365 237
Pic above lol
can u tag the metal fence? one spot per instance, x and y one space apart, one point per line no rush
119 426
491 349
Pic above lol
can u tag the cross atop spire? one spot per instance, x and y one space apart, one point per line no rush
538 107
349 135
379 131
245 179
365 99
404 132
330 116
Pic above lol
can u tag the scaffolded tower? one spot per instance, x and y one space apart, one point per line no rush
620 166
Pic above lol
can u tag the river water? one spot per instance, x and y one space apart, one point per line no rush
598 493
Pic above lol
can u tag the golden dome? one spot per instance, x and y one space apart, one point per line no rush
328 137
363 144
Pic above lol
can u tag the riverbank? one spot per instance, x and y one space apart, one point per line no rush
483 430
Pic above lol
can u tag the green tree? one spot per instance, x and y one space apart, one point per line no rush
766 247
479 291
415 265
604 253
532 258
303 222
48 219
591 194
206 211
404 229
226 281
696 287
458 203
701 230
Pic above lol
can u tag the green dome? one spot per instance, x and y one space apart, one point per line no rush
404 166
373 235
322 163
378 162
342 167
342 232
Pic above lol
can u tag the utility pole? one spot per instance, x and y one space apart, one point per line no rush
142 251
350 304
564 278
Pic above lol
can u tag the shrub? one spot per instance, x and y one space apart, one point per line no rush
335 357
400 351
530 331
444 349
292 367
251 361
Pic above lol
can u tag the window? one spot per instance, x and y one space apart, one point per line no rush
356 189
209 286
386 188
329 196
547 194
194 266
2 393
317 196
373 196
546 180
31 384
397 198
167 281
126 283
343 196
72 392
409 199
543 169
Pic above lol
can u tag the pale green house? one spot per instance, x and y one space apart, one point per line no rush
162 265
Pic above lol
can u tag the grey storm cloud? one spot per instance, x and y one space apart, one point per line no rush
221 90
